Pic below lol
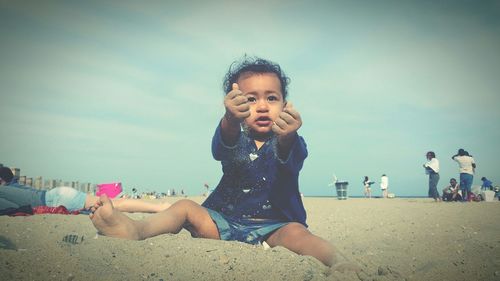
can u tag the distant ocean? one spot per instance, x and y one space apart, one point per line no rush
361 196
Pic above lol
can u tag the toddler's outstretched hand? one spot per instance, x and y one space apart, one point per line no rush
237 108
288 121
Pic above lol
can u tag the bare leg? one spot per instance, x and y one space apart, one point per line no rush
130 205
111 222
368 192
298 239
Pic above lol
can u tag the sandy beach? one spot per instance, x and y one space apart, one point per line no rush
389 239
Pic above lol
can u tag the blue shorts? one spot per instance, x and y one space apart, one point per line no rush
244 230
70 198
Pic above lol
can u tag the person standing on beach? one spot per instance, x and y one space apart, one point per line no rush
467 166
384 185
368 190
258 198
432 169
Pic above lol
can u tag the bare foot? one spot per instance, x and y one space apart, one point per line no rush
111 222
342 264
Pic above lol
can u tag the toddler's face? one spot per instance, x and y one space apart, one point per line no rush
263 91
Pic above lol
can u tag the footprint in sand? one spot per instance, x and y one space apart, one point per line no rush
73 239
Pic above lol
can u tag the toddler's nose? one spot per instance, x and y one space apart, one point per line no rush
262 106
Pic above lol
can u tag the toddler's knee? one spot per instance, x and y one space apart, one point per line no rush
296 230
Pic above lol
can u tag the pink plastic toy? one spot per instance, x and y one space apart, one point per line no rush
110 189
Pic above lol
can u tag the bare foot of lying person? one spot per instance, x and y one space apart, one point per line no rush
111 222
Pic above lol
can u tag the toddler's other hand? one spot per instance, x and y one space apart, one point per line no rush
288 121
237 108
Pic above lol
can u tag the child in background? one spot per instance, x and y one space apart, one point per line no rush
487 184
257 199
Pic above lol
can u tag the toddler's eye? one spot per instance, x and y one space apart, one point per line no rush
272 98
251 99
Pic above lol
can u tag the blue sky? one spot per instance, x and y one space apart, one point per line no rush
129 91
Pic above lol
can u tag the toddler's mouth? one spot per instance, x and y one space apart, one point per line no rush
263 121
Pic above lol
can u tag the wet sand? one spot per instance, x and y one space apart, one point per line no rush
390 239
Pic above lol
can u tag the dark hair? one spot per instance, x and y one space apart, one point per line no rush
483 178
433 155
461 152
6 174
254 65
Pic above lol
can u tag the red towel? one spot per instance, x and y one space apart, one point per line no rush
54 210
28 211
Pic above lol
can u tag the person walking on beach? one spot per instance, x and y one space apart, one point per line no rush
15 196
367 184
258 199
467 166
384 185
432 169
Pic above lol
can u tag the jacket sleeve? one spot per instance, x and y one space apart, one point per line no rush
221 151
296 156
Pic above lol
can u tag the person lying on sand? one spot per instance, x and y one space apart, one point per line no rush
14 195
258 198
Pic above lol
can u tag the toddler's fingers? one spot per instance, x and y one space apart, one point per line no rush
288 118
294 113
243 107
277 130
280 123
244 114
240 99
233 94
236 86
